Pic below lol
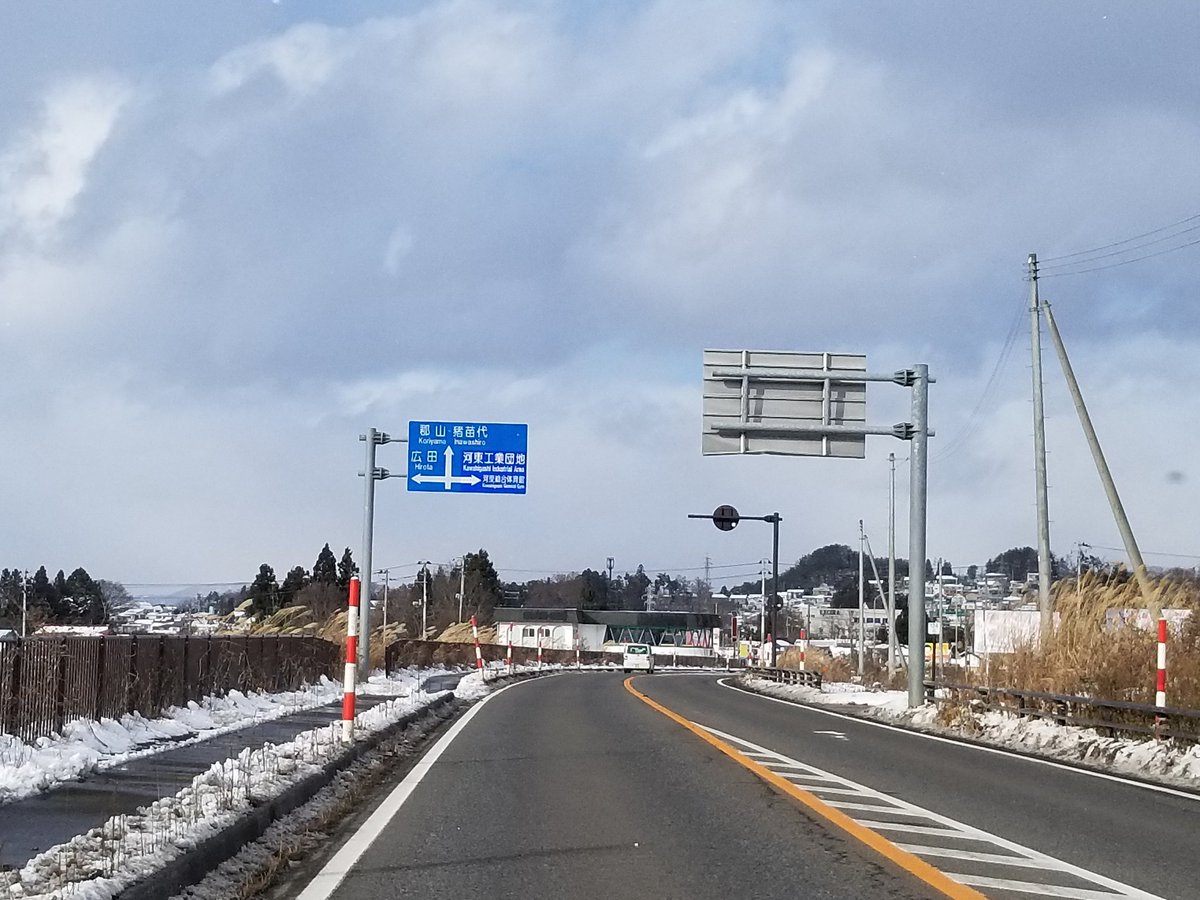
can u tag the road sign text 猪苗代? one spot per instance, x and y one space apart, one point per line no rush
467 457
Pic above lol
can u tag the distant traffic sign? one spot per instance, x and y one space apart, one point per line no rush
467 457
725 517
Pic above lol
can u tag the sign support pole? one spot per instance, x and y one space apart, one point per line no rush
364 613
918 472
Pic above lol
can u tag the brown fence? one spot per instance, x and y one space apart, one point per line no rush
46 682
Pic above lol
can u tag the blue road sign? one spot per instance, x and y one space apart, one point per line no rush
467 457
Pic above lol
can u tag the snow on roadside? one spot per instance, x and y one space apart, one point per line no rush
88 745
1163 761
99 864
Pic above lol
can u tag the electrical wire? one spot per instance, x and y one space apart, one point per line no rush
1124 262
1136 237
986 397
1149 552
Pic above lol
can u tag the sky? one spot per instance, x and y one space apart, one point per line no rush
236 234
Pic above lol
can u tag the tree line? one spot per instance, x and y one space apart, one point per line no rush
75 599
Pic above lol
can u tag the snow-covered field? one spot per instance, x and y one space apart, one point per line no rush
100 863
1162 761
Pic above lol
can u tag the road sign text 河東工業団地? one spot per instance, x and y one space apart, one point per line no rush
467 457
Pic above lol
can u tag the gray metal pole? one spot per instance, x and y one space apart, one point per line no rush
918 472
775 519
1039 454
889 606
892 569
1110 487
364 612
387 577
862 607
462 586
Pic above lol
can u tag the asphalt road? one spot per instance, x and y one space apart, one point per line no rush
1132 834
569 786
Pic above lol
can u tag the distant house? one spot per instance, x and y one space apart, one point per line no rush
73 631
8 636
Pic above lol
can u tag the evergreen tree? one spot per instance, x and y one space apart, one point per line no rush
264 592
41 592
325 568
84 598
293 583
346 569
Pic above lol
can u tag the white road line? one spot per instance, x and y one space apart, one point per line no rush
1000 751
822 791
335 871
946 828
1030 887
999 859
865 807
922 829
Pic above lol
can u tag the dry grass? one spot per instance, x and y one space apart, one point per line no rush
842 668
1085 657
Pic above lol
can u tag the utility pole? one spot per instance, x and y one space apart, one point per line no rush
892 569
424 598
890 609
24 603
387 577
762 619
862 608
462 586
1039 454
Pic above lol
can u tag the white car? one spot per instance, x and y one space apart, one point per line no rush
638 656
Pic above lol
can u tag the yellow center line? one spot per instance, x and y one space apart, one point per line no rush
932 876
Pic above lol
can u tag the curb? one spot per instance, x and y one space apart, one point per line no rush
973 742
196 862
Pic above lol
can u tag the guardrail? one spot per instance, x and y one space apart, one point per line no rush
787 676
1109 717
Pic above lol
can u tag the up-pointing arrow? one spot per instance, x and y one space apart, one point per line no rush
447 479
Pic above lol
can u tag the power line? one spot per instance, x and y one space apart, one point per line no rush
975 419
1122 252
1149 552
1136 237
1123 262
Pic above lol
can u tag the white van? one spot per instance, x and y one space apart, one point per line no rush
638 656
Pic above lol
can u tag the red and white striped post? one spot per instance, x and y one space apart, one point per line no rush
577 651
539 653
803 646
508 655
478 652
1160 694
351 670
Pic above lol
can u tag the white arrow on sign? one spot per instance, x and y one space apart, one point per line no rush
447 479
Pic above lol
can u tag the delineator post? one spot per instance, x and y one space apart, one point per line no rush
351 670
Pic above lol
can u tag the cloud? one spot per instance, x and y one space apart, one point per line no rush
44 171
303 225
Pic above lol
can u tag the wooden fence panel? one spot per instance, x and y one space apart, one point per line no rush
80 687
37 701
45 681
113 701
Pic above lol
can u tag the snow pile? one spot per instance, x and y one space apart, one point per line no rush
1164 761
86 745
99 864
